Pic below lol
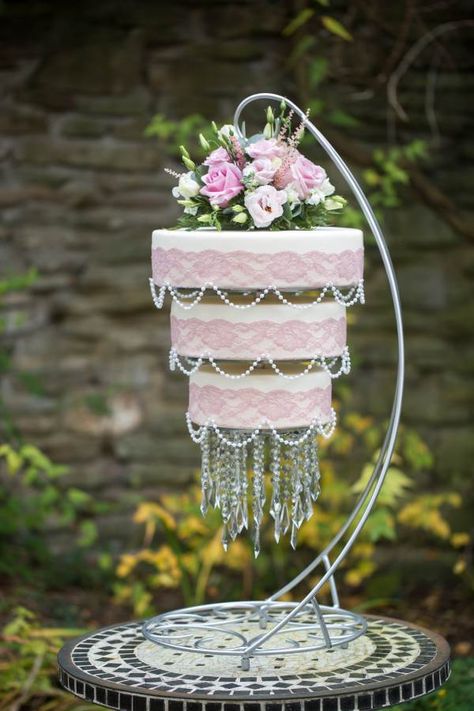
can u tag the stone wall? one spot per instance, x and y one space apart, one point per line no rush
82 189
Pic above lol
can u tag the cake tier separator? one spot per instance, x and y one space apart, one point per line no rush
288 627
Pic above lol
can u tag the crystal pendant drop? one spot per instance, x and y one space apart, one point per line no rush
314 468
275 506
233 481
258 490
205 474
297 515
286 492
225 488
214 458
306 478
243 515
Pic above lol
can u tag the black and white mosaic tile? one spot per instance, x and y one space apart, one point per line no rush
392 662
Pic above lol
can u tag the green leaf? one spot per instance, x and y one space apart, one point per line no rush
18 282
381 524
77 497
338 117
416 451
302 47
318 70
13 459
301 19
394 488
336 28
88 534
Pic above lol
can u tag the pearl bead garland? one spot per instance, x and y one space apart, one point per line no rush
325 429
355 294
175 361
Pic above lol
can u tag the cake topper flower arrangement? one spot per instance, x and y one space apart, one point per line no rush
259 182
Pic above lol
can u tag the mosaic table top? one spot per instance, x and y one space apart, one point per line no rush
393 662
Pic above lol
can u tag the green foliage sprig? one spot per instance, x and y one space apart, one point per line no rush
28 666
31 501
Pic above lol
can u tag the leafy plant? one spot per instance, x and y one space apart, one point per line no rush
28 669
385 179
174 134
180 551
8 285
31 500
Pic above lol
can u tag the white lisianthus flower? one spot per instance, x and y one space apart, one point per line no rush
336 202
226 131
265 204
191 210
187 187
319 194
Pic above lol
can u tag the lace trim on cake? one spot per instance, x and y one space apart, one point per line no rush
249 406
348 298
230 340
342 363
316 427
239 267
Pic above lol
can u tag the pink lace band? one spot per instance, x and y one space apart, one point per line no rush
249 270
245 341
250 408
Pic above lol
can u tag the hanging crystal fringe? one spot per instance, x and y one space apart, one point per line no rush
233 480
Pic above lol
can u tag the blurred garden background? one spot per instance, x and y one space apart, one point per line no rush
99 500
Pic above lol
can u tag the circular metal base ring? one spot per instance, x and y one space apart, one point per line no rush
230 628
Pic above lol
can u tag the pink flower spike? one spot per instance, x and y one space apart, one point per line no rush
302 175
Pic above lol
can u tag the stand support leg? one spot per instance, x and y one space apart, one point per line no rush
322 624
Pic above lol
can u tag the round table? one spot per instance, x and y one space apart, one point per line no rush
393 662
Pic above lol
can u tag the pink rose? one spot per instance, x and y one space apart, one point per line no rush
266 148
223 182
265 204
303 176
261 169
220 155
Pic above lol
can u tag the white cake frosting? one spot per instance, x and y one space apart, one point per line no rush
262 400
212 328
257 259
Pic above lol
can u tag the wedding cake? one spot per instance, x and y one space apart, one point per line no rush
260 285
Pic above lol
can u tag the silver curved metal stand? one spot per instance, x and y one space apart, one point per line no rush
272 626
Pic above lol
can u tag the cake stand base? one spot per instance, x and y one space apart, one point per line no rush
118 668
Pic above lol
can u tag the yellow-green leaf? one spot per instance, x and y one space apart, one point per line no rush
336 28
298 21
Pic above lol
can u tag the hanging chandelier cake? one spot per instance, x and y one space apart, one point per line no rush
260 285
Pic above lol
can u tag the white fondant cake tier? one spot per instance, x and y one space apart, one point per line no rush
263 400
272 329
257 259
